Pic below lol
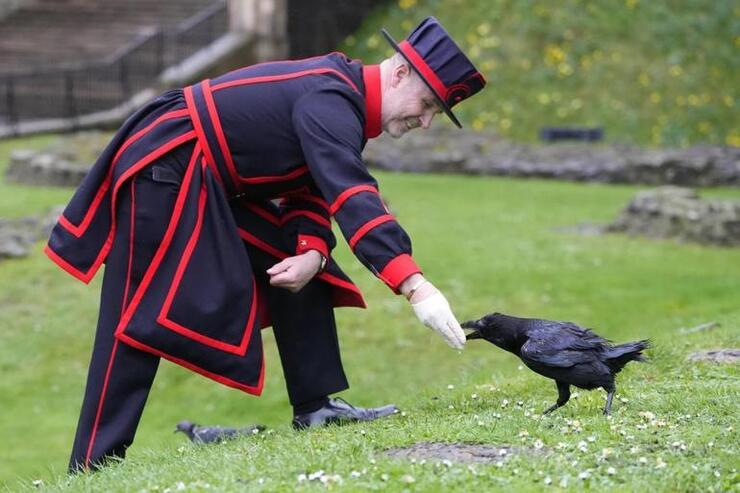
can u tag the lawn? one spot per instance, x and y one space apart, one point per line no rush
490 244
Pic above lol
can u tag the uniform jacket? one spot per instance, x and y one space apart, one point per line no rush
282 132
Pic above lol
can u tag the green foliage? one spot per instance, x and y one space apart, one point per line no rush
489 244
661 73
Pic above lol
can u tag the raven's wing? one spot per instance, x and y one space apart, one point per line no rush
561 344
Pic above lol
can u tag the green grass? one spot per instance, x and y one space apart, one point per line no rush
658 73
489 244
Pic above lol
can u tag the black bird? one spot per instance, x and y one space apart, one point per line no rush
214 434
563 351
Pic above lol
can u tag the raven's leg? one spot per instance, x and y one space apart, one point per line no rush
563 397
609 396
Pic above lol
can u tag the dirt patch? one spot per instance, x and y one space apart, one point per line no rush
717 356
454 452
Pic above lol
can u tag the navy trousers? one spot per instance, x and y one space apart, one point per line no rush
120 376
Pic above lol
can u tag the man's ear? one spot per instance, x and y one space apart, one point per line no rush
400 72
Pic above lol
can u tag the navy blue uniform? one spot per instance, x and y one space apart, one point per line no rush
182 207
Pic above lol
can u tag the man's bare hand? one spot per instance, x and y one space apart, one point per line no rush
293 273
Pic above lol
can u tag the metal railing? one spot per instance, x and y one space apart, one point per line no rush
74 89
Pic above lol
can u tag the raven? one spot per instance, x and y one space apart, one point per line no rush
563 351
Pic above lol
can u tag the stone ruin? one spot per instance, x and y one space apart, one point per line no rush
63 163
440 150
679 213
17 236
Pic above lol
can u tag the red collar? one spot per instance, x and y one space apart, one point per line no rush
371 77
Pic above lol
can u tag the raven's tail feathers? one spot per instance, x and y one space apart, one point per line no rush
618 356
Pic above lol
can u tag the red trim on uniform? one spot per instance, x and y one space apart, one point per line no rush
263 213
220 136
262 245
310 242
198 126
342 198
72 270
311 215
269 179
130 244
100 405
162 319
307 197
426 70
79 230
398 270
324 276
276 78
163 245
365 228
373 101
251 389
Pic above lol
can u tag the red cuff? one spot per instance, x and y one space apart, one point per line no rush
308 242
398 270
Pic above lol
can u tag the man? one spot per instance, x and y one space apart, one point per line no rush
181 208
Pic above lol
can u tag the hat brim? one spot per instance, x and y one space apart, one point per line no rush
441 101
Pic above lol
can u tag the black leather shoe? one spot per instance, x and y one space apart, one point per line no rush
339 411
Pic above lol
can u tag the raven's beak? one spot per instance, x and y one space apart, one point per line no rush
475 325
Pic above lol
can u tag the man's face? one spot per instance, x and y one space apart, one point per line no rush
408 103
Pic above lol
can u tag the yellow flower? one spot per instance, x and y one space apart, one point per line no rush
372 41
505 124
704 127
565 69
733 139
406 4
562 112
543 98
729 101
654 97
576 104
554 54
644 79
676 70
631 4
586 62
693 100
478 124
407 25
484 29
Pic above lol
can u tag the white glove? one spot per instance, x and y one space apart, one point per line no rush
435 313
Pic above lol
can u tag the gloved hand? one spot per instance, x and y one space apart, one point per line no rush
434 312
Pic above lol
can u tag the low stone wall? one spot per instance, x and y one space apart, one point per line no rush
447 151
17 236
679 213
64 163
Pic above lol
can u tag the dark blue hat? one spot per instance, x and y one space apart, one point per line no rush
441 64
